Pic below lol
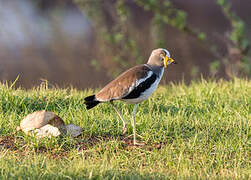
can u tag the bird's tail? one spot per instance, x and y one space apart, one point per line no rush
91 102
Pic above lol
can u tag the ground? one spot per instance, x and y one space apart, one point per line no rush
201 130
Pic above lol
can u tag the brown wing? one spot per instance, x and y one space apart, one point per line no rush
123 84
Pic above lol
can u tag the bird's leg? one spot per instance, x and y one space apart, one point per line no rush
121 117
134 124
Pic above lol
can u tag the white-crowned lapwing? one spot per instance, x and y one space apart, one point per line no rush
133 86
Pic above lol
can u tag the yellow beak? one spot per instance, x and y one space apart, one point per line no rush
168 59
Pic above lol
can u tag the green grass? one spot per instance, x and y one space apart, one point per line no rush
200 131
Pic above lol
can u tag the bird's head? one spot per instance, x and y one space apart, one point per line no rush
160 57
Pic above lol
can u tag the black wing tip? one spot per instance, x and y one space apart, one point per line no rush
90 102
90 98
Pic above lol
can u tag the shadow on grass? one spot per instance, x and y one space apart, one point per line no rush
10 144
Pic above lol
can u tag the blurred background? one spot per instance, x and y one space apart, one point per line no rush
86 43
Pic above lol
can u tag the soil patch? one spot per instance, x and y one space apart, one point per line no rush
19 146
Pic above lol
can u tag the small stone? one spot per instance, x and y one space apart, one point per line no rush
73 130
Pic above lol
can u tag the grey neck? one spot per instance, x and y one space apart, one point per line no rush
158 70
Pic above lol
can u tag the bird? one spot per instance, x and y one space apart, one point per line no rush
133 86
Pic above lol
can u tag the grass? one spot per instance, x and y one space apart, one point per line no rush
200 131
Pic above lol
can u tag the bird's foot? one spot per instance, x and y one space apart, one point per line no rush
136 135
136 143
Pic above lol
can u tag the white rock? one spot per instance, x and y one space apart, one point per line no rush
47 131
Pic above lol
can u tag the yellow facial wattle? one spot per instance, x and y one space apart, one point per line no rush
165 61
